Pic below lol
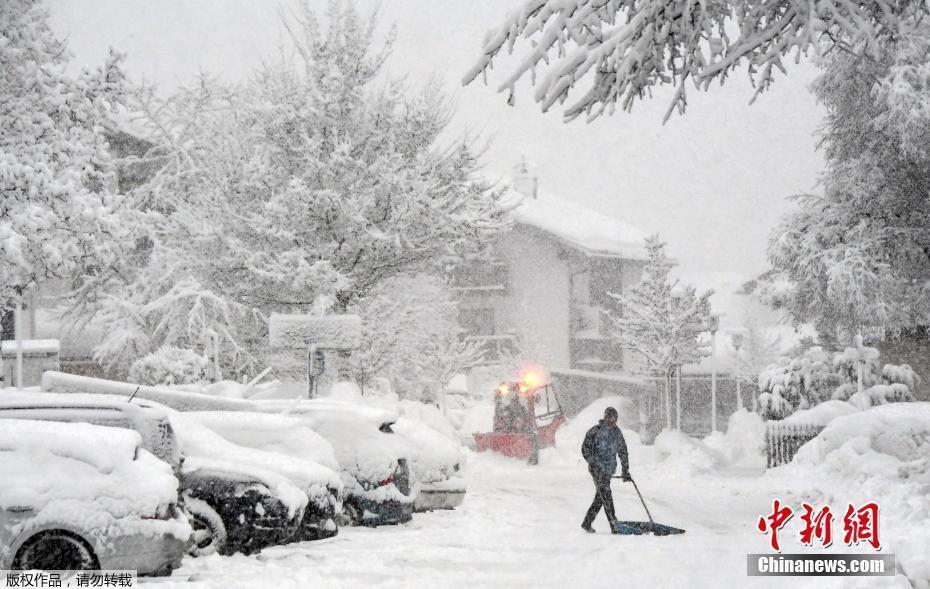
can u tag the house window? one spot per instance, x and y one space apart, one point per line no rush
484 276
7 326
477 322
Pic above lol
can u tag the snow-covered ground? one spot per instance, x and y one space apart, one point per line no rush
519 526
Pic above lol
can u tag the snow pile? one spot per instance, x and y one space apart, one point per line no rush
576 427
744 443
169 365
344 391
881 454
476 419
94 478
821 414
678 453
227 389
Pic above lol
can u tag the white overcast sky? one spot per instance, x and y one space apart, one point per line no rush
712 182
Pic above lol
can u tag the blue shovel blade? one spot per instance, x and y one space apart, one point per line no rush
640 528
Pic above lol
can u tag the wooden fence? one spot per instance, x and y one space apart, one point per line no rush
782 440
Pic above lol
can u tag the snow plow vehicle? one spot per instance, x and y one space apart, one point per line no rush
527 414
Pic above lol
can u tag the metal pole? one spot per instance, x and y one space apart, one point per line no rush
678 398
860 364
668 400
739 394
217 375
713 381
18 328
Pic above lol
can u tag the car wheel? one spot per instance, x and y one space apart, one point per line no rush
56 550
209 531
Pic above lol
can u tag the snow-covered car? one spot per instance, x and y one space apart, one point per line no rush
76 496
287 436
231 508
319 486
373 461
435 466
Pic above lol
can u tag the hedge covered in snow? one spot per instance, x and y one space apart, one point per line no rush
169 365
817 376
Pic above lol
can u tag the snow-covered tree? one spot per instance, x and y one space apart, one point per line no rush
411 337
622 49
56 176
307 186
760 348
796 383
817 376
859 255
661 321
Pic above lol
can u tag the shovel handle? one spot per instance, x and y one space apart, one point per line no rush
641 500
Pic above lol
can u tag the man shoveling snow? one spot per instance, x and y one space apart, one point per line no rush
603 444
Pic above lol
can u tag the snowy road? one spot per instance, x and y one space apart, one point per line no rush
519 527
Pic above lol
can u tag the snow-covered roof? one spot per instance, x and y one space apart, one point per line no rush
578 226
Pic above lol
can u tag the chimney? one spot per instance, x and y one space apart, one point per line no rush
525 182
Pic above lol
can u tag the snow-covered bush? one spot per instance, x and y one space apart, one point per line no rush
815 377
796 383
169 365
889 384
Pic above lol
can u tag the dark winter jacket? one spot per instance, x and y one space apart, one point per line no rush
602 445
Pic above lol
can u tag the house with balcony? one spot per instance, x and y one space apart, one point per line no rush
543 289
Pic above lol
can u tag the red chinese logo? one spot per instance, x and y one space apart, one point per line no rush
862 525
817 525
774 522
859 525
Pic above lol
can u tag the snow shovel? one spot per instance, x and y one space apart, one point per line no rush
640 528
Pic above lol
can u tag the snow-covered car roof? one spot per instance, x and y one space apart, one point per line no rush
18 399
78 473
361 447
60 382
433 456
148 419
328 409
197 440
283 434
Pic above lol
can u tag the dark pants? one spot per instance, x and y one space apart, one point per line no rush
602 498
